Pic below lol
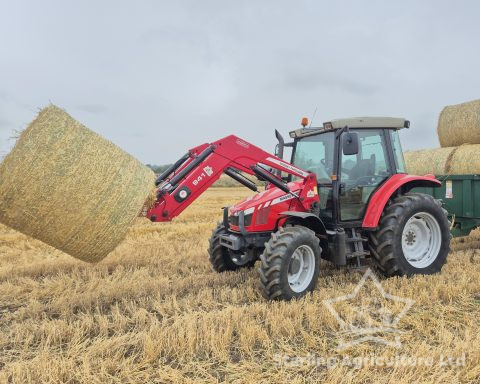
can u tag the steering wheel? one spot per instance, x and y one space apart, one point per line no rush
320 171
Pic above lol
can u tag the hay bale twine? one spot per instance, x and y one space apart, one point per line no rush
70 188
459 124
460 160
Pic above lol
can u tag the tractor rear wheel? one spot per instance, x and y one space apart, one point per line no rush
413 237
290 263
221 258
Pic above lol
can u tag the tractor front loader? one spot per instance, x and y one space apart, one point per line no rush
344 197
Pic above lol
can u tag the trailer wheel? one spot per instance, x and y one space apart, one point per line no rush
413 237
221 258
290 263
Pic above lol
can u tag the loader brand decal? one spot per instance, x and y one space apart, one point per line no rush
242 143
207 172
282 198
290 167
312 192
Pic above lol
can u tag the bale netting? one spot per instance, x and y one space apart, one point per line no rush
459 124
70 188
460 160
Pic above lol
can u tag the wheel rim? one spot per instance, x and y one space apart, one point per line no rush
301 268
421 240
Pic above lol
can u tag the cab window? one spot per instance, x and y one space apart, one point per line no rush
315 154
361 174
397 152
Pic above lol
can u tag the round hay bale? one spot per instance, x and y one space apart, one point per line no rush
465 160
427 161
459 124
70 188
460 160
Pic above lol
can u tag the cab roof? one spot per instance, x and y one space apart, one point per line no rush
354 122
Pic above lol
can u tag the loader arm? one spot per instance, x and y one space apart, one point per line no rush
183 182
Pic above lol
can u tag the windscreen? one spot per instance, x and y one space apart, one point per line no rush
315 154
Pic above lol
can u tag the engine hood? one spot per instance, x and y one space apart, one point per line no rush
271 195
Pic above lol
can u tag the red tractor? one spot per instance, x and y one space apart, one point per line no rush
344 197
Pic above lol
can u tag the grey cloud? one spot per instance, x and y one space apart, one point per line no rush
161 77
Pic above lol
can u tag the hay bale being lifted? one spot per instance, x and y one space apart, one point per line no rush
459 124
444 161
70 188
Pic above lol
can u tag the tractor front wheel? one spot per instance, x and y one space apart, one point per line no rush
413 237
290 263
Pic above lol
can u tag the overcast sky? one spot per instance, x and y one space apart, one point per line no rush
159 77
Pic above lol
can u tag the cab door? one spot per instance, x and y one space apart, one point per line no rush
361 174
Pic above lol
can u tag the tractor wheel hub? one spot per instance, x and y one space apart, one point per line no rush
294 266
410 237
301 268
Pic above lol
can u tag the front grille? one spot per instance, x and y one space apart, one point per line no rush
262 216
234 220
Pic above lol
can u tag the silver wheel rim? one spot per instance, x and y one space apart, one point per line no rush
301 268
421 240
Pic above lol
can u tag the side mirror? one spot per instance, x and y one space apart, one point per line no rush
350 143
277 152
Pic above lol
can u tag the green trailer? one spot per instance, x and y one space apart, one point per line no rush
461 198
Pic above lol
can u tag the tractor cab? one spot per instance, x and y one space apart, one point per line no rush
351 158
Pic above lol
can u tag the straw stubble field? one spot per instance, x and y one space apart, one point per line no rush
154 311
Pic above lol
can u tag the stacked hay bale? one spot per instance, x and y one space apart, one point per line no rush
459 124
459 135
70 188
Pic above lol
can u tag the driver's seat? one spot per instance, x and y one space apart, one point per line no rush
363 168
